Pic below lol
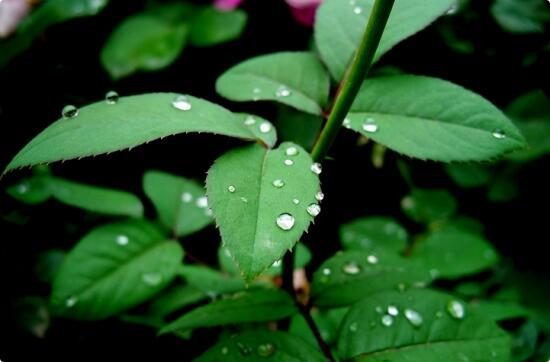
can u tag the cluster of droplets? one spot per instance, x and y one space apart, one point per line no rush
264 126
350 268
201 202
70 111
266 349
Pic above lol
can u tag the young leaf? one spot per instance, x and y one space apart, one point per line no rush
340 24
428 205
245 307
451 253
180 203
256 345
113 268
32 190
374 232
297 79
351 276
433 119
419 325
210 281
261 128
102 128
211 26
260 199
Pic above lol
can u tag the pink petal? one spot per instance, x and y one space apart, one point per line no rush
226 5
304 16
11 14
303 3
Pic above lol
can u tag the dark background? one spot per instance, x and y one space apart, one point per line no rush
62 67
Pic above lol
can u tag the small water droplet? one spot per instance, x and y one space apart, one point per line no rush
453 9
231 188
256 94
319 196
401 287
455 309
434 273
289 162
249 121
414 318
316 168
265 127
278 183
69 111
71 302
186 197
181 103
225 350
392 310
295 201
353 327
152 279
357 10
111 97
282 91
347 123
352 2
370 125
244 199
387 320
244 350
285 221
122 240
499 134
291 151
326 271
314 210
351 268
22 188
266 349
372 259
379 309
277 263
202 202
438 314
208 212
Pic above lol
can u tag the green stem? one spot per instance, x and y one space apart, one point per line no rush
354 77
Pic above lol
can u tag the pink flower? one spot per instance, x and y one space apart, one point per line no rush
227 5
11 14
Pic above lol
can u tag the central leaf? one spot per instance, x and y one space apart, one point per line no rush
260 199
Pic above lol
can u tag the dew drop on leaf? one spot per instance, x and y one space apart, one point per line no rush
266 349
152 279
225 350
265 127
249 121
351 268
282 91
291 151
285 221
499 134
387 320
186 197
69 111
414 318
455 309
372 259
316 168
202 202
295 201
122 240
357 10
289 162
22 188
326 271
71 302
392 310
319 196
231 188
278 183
347 123
181 103
256 94
379 309
313 209
370 125
111 97
353 327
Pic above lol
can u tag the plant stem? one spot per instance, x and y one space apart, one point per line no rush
311 323
354 77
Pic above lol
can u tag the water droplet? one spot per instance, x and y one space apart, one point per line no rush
225 350
453 9
181 103
499 134
295 201
256 92
438 314
244 199
314 210
370 125
352 2
186 197
326 271
291 151
414 318
152 279
316 168
347 123
289 162
202 202
353 327
69 111
401 287
231 188
379 309
278 183
266 349
282 91
351 268
265 127
208 212
357 10
387 320
22 188
319 196
122 240
71 302
285 221
111 97
392 310
249 121
434 273
455 309
277 263
372 259
244 350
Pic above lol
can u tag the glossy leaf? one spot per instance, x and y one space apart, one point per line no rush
180 203
174 299
429 334
327 322
351 276
429 118
428 205
113 268
210 281
499 310
260 344
249 190
452 253
373 232
246 307
297 79
339 27
261 128
211 26
102 128
298 127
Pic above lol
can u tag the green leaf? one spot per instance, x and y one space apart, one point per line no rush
297 79
211 26
174 299
210 281
143 42
102 128
468 175
448 123
180 203
524 343
261 128
499 310
298 127
374 232
428 205
351 276
256 345
451 253
245 307
248 206
339 27
32 190
431 333
521 16
327 322
113 268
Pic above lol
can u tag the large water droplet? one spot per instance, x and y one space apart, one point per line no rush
249 121
357 10
414 318
319 196
353 327
265 127
69 111
295 201
186 197
372 259
278 183
455 309
392 310
181 103
152 279
370 125
282 91
499 134
285 221
351 268
231 188
313 209
111 97
316 168
202 202
122 240
291 151
387 320
71 302
266 349
289 162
